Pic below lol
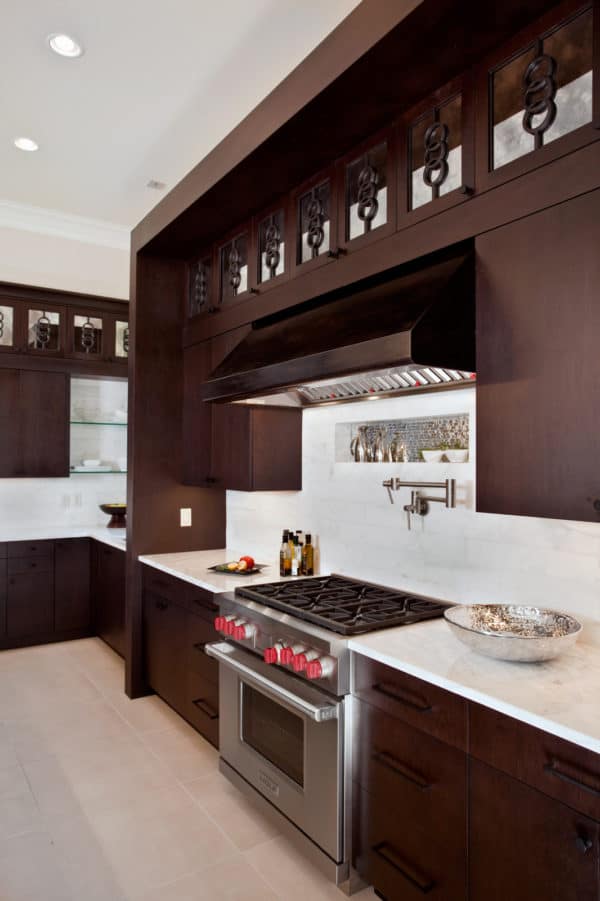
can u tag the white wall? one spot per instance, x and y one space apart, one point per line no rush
30 503
458 555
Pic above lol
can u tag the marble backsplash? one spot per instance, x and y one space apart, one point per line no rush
458 555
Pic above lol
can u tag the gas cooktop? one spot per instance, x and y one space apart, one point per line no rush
344 605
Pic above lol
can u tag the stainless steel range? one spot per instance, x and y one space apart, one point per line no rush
285 720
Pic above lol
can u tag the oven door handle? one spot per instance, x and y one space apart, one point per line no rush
320 713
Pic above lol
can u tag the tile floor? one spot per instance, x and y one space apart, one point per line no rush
107 799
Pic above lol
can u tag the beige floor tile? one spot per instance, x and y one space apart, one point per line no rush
237 816
149 714
234 881
8 755
30 870
292 876
184 751
19 812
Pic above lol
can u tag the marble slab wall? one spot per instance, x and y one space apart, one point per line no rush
413 435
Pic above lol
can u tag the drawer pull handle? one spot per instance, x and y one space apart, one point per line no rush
200 646
409 700
583 843
558 769
206 708
392 763
162 605
385 851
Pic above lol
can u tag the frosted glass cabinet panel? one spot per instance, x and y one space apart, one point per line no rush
271 246
44 331
121 339
7 327
435 153
366 192
234 267
314 223
87 335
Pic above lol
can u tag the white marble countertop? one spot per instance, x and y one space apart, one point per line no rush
112 537
192 566
561 696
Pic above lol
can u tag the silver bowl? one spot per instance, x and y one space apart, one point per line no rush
512 632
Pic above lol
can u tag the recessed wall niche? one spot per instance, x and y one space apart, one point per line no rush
434 439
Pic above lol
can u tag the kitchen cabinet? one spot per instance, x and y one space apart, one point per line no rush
526 845
3 587
34 423
178 623
256 448
538 367
72 605
30 597
108 595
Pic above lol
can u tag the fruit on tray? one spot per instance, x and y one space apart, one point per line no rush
243 565
249 561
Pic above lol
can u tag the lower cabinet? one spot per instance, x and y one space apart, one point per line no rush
460 803
72 606
525 845
178 623
30 599
108 595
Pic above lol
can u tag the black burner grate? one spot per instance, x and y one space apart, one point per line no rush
344 605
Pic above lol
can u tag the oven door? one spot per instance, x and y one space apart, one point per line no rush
285 738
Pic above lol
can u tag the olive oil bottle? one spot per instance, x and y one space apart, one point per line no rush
285 556
308 557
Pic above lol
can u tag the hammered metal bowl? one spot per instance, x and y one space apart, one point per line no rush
512 632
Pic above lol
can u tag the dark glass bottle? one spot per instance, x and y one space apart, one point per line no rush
308 557
285 557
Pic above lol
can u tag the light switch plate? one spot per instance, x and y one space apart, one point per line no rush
185 516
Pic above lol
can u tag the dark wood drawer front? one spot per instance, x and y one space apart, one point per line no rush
30 548
165 585
19 565
424 706
3 551
203 706
202 602
400 861
556 767
409 771
200 634
526 846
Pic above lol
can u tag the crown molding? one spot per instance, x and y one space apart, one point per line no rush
63 225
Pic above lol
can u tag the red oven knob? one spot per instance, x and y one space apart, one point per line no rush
230 625
286 656
243 631
270 655
314 670
220 623
299 663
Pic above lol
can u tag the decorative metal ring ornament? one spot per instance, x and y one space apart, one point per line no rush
272 248
235 269
126 340
42 331
1 324
316 232
200 286
435 172
539 90
88 336
368 205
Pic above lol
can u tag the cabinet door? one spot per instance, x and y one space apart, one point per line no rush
108 590
3 587
29 604
231 458
44 423
10 414
72 585
524 845
165 647
538 366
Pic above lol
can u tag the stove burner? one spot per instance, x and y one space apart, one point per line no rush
344 605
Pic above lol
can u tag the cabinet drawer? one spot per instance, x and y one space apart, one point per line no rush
405 864
410 771
165 585
201 633
202 602
30 548
424 706
3 551
564 771
29 605
19 565
202 707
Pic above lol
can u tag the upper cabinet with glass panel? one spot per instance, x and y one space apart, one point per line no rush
45 331
367 190
121 339
234 263
435 153
86 337
541 92
200 297
8 339
314 206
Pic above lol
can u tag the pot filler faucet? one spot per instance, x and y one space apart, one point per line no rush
419 503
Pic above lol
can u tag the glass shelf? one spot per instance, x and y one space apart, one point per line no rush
89 422
98 472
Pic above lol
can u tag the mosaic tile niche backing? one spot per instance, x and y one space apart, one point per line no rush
401 440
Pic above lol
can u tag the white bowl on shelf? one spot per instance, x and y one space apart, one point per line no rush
457 455
432 456
91 464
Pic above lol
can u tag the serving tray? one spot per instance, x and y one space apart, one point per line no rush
222 568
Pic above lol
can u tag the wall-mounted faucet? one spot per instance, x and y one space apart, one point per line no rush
419 503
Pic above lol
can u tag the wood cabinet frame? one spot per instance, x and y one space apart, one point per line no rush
329 174
389 137
465 87
486 177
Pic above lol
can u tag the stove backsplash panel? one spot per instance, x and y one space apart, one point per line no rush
456 555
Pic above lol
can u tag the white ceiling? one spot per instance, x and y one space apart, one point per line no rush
159 85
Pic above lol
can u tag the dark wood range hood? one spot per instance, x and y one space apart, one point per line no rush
411 328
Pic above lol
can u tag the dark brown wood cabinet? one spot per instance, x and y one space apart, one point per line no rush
538 366
178 623
108 595
3 587
72 601
30 597
256 448
525 845
34 421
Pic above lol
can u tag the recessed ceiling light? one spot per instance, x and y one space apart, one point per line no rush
65 45
156 185
26 144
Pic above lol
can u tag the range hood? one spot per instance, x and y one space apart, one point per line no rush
409 329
